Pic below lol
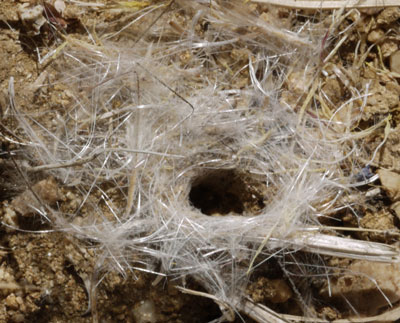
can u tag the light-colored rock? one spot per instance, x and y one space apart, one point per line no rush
32 17
145 312
395 62
375 35
366 286
59 5
391 183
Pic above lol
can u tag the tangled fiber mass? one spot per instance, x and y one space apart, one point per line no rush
207 163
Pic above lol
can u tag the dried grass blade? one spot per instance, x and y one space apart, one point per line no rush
331 4
343 247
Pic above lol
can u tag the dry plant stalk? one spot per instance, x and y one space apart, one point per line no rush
331 4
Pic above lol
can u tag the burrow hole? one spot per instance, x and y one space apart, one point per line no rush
221 192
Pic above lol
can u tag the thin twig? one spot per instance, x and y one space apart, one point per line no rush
79 162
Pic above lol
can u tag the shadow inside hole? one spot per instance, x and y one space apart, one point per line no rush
221 192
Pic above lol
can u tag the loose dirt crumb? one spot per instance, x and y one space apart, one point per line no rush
383 98
389 156
382 220
270 290
46 190
388 15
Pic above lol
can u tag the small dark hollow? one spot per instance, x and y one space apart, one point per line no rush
224 191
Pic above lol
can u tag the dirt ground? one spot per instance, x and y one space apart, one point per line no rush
46 275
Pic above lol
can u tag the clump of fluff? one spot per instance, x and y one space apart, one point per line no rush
151 123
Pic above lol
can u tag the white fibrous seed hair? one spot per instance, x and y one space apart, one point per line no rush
163 113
